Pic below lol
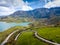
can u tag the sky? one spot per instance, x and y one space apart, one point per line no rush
8 7
55 3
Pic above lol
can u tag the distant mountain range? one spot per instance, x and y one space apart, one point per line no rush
38 13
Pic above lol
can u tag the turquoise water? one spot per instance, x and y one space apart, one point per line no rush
5 26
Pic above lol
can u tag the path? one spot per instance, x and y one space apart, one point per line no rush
6 40
47 41
36 35
17 36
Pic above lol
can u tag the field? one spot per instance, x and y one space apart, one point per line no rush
4 34
50 33
27 38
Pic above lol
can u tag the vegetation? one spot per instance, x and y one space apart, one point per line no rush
50 33
16 19
4 34
27 38
11 40
55 21
46 29
11 19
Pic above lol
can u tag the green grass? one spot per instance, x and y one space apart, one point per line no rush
50 33
4 34
11 40
27 38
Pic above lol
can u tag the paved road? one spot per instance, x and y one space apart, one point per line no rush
45 39
6 40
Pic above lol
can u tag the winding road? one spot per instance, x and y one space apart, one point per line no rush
47 41
17 36
35 33
7 38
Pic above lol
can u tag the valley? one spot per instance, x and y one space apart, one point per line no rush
37 27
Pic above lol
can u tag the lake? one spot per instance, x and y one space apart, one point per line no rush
5 26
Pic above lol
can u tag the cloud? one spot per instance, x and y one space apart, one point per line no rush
5 11
55 3
21 5
26 8
2 2
8 7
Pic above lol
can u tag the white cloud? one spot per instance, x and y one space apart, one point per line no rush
22 5
5 11
13 5
26 8
55 3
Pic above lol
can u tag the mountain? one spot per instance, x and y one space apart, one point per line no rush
55 11
38 13
43 15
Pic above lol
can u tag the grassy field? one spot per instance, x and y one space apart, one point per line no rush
27 38
50 33
4 34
